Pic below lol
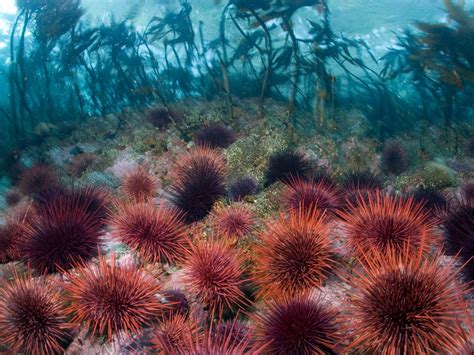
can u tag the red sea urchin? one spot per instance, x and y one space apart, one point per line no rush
175 335
199 182
139 184
405 303
299 325
231 337
12 231
214 274
111 299
10 235
32 317
307 195
382 220
295 254
36 179
67 230
156 233
234 221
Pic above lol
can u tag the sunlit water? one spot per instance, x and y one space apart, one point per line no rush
373 20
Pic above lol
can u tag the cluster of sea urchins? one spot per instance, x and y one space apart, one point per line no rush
243 287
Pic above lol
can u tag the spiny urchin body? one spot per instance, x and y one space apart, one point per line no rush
468 191
405 303
434 202
68 230
214 275
175 335
199 181
385 221
298 325
36 179
295 254
394 158
215 136
176 302
459 234
285 165
10 236
155 233
139 184
243 187
112 300
162 117
33 319
307 195
234 221
358 185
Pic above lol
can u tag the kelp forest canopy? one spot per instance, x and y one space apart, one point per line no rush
62 68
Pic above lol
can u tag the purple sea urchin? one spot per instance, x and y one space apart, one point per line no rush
285 165
299 325
215 136
199 182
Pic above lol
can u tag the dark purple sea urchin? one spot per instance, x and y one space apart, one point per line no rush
199 182
459 234
299 325
215 136
67 230
394 158
36 179
285 165
243 187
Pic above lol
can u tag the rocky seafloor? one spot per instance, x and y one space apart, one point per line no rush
427 171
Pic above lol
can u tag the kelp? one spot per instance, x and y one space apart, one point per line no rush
69 69
439 59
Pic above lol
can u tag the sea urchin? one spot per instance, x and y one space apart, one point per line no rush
139 184
156 233
214 274
383 221
285 165
33 319
199 182
402 303
67 231
110 299
299 325
234 221
307 195
295 254
215 136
